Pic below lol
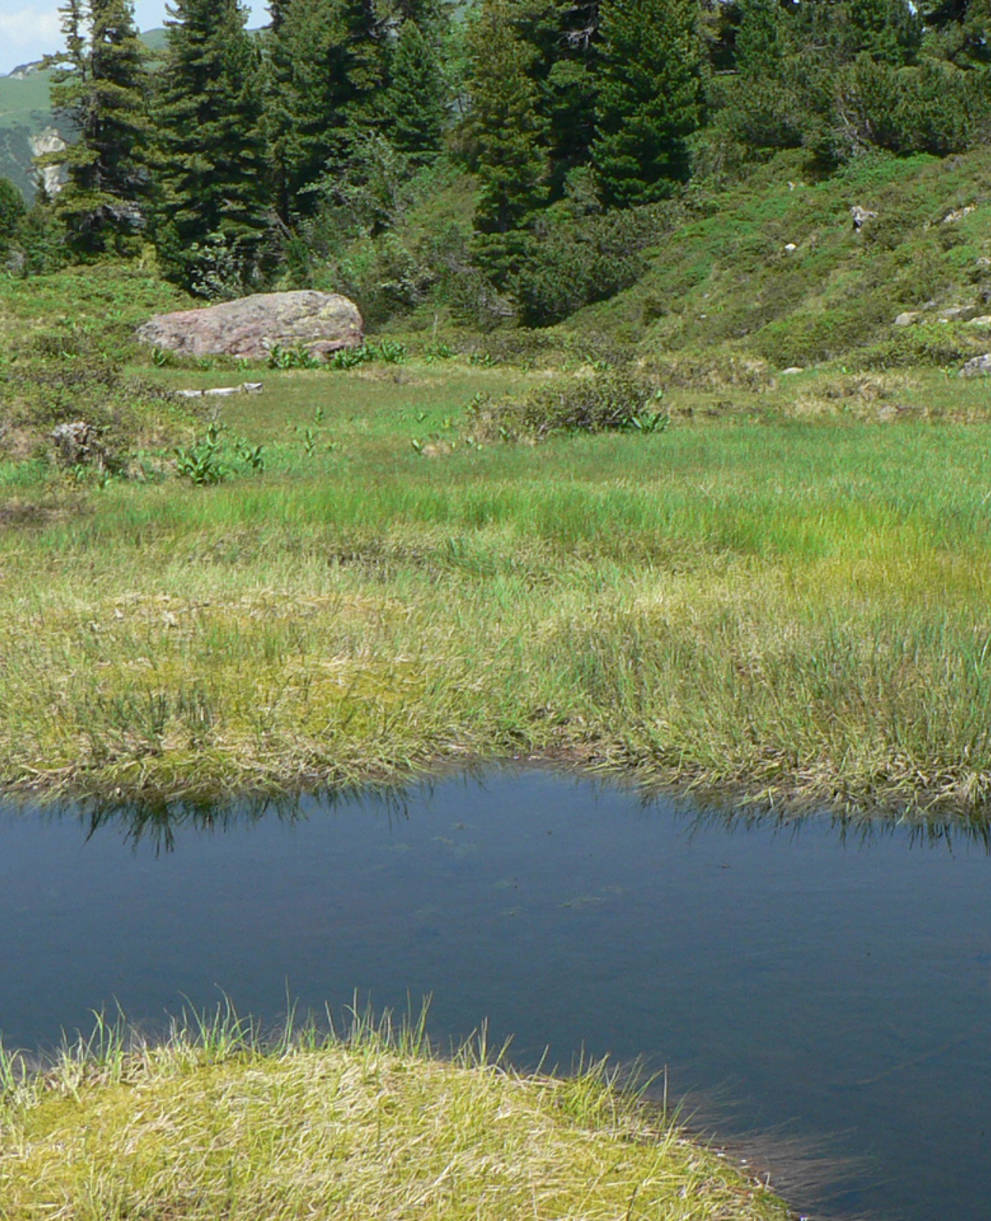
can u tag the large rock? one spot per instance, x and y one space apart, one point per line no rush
320 323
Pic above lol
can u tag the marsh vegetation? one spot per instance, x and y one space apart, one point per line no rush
786 598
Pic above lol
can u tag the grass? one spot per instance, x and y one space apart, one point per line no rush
216 1121
782 596
794 610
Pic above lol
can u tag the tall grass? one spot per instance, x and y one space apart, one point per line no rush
795 611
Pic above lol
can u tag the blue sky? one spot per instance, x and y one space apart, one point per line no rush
30 28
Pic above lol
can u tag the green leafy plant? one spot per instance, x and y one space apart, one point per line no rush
648 421
202 463
389 351
292 358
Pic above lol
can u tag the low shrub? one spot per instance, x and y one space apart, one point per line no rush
610 401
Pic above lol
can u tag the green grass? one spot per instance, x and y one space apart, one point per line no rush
214 1121
794 610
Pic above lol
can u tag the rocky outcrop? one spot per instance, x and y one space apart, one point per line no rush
52 176
319 323
978 366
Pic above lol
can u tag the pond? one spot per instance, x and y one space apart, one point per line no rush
820 991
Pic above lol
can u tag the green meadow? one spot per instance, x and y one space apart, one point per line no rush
787 601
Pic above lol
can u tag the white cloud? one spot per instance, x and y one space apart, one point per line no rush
26 34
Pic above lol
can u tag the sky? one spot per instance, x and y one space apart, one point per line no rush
30 28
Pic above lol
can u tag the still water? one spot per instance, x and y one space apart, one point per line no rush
820 990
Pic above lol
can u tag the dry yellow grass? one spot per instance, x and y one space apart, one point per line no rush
351 1131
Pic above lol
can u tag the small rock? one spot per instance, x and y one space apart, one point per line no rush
77 444
792 369
907 318
981 321
956 313
861 216
977 366
957 214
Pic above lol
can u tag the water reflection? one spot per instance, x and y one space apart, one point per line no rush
831 977
158 822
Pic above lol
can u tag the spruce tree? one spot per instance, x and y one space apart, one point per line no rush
212 206
416 106
649 97
99 88
325 75
507 137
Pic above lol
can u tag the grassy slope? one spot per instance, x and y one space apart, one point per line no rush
213 1126
723 281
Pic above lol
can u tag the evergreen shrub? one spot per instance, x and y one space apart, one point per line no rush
571 262
620 400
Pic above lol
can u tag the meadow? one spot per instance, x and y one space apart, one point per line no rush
784 599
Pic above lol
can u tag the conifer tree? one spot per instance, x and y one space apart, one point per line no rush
99 88
12 210
212 206
889 31
416 101
958 30
325 76
648 97
507 137
277 13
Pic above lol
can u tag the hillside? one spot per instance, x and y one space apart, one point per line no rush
775 268
26 115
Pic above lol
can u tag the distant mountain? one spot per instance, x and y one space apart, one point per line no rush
27 125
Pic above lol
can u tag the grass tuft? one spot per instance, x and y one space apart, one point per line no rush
215 1121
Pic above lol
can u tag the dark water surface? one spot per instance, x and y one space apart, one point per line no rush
825 989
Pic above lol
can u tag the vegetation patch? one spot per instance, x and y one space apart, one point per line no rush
215 1122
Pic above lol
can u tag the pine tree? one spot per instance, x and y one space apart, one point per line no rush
507 136
277 13
889 31
99 88
958 31
212 207
12 211
416 103
648 97
325 75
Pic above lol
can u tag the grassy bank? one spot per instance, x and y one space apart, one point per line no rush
780 592
212 1123
791 608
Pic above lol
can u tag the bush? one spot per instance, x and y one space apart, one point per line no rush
572 261
39 243
934 108
615 401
